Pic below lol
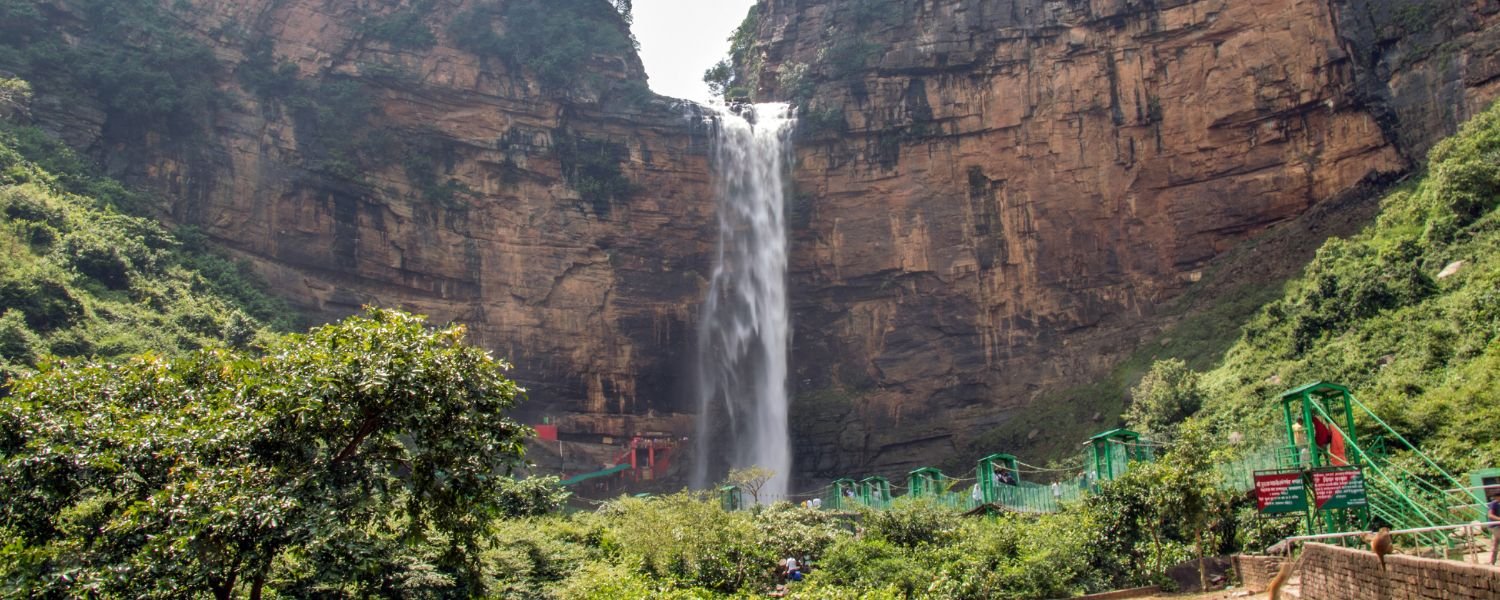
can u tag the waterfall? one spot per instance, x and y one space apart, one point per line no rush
744 332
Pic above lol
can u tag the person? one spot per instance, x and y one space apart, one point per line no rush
1056 491
1494 517
1006 478
793 570
816 503
976 494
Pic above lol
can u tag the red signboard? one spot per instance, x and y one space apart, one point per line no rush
1338 488
546 433
1280 493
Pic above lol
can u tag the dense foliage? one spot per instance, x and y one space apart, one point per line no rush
404 28
80 277
732 78
366 457
1407 313
556 40
144 74
686 546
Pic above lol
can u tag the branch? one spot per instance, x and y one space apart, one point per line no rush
368 427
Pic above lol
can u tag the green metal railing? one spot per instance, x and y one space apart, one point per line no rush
1397 495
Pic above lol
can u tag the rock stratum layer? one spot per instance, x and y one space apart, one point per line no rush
996 197
993 198
571 229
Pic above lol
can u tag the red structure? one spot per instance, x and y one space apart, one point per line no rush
546 433
649 457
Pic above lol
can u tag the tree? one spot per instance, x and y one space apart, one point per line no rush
15 95
1159 509
369 454
751 479
1168 394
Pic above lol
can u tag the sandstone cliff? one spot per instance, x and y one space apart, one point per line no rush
569 226
996 198
993 201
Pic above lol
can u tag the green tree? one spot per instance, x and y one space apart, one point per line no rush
751 479
1167 395
1165 511
370 454
15 94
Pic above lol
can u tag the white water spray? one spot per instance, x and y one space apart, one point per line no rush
744 336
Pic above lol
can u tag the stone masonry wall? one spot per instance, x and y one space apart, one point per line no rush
1334 573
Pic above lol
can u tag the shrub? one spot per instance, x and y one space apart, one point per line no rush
685 539
1168 394
593 168
913 523
405 28
554 39
368 448
18 344
40 295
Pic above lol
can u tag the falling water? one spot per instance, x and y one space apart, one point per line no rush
744 337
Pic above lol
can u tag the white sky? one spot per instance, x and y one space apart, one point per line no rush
680 39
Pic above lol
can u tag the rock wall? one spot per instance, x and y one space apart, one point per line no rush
477 214
995 198
992 198
1335 573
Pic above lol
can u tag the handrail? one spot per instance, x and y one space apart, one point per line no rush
1398 435
1421 512
1286 542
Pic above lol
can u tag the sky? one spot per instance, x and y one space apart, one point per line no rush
680 39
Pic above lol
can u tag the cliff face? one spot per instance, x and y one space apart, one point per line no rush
570 226
995 197
992 199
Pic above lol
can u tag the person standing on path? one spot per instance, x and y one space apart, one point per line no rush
1494 518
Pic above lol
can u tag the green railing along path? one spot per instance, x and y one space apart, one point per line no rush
1405 489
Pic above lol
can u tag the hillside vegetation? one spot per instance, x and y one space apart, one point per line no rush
82 277
1406 313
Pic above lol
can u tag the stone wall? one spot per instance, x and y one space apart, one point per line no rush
997 201
1334 573
1256 572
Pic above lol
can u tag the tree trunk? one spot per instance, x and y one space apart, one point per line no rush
225 590
257 585
1202 568
1156 568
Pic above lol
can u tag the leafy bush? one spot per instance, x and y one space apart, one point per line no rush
1167 395
554 39
685 539
1370 312
531 497
369 448
18 344
88 279
146 75
406 28
910 524
593 168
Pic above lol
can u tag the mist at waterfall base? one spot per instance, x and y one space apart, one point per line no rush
744 329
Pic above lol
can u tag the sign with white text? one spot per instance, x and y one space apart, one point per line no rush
1339 488
1280 493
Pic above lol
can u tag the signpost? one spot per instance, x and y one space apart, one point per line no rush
1342 487
1280 493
